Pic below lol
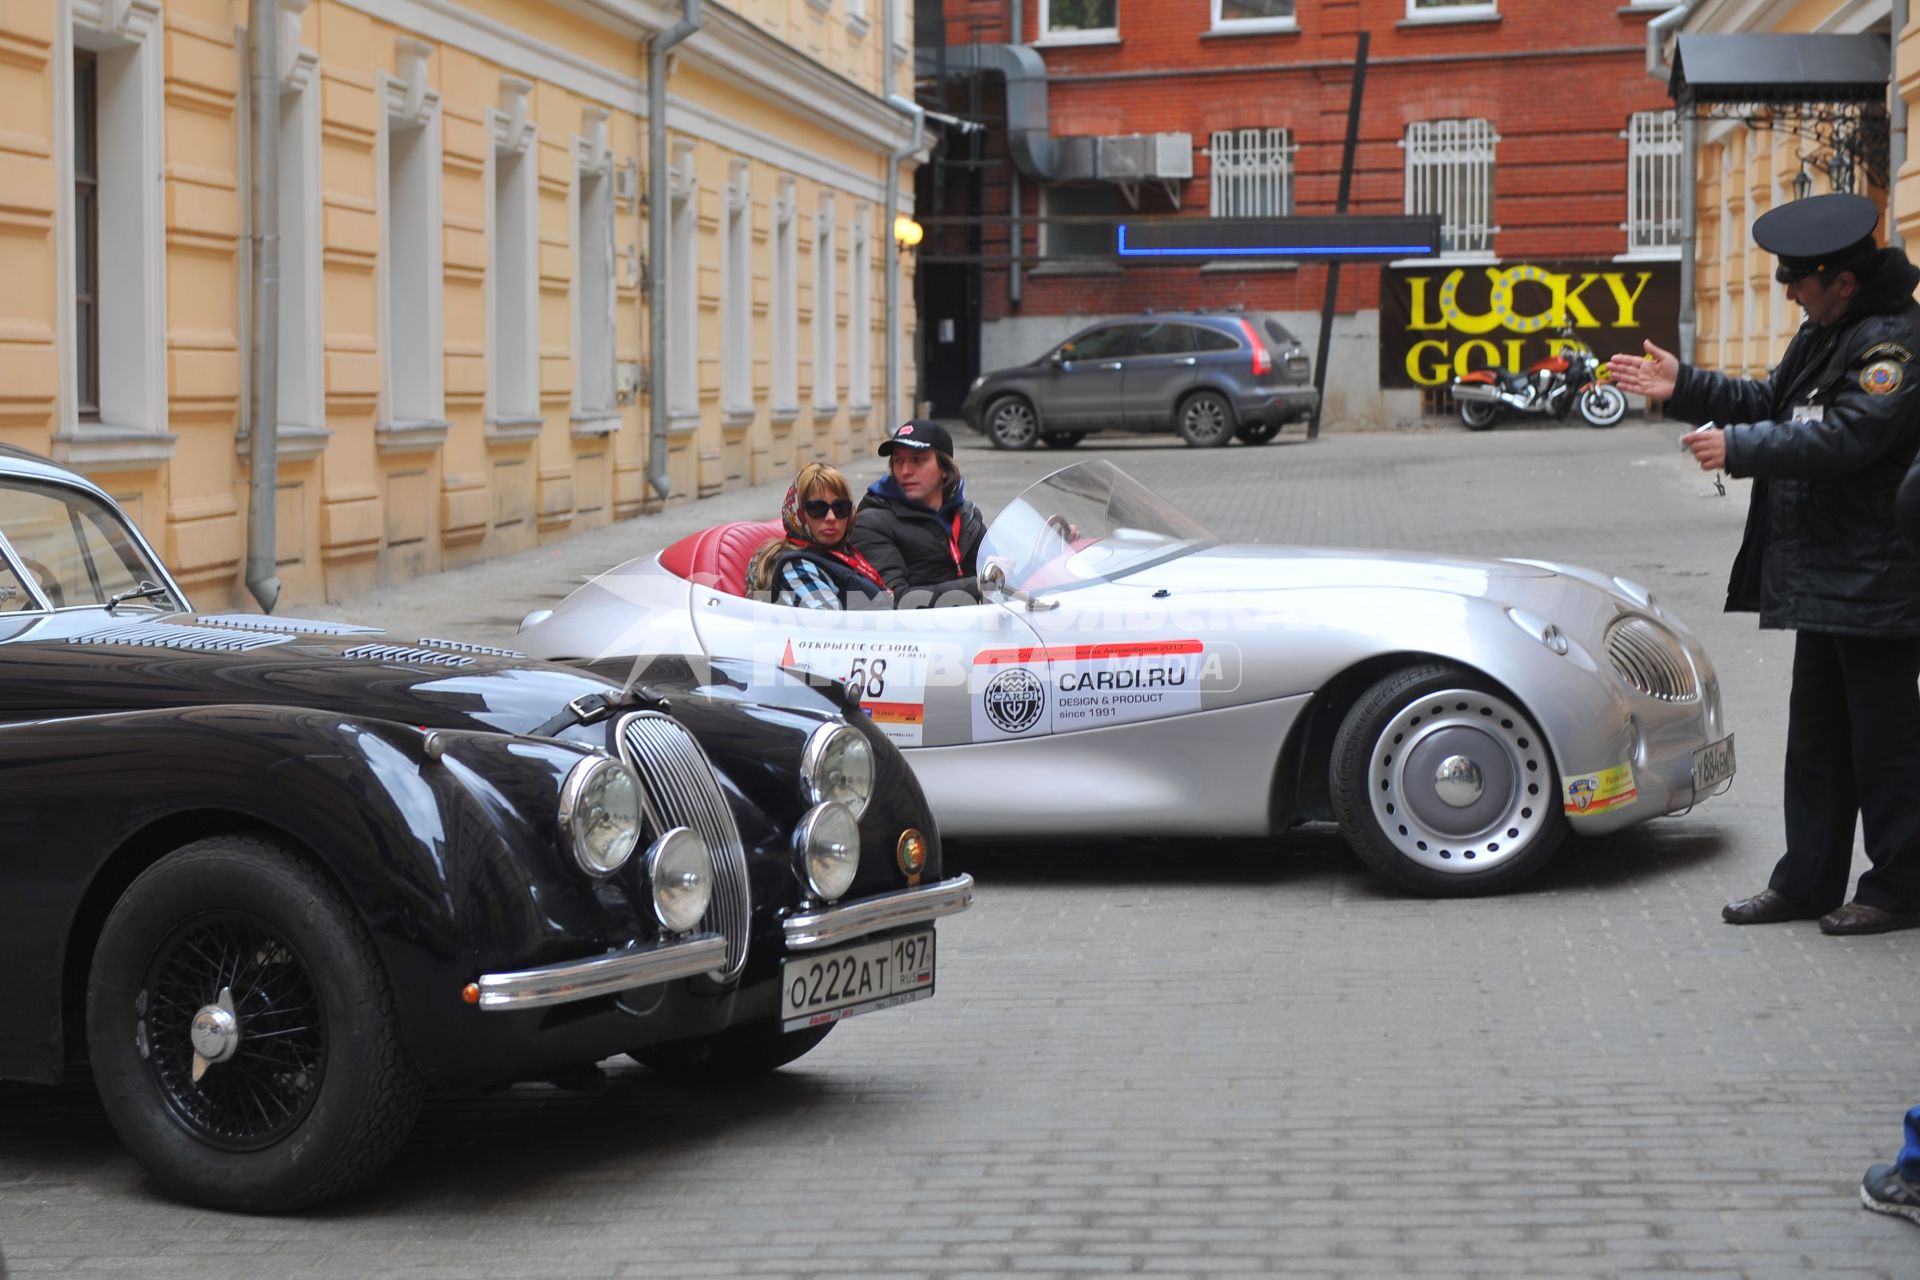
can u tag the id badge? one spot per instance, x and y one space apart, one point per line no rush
1810 413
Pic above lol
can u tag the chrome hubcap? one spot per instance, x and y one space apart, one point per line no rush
1460 780
215 1033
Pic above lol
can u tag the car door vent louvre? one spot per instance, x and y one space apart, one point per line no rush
302 626
1650 660
461 646
406 653
682 792
174 635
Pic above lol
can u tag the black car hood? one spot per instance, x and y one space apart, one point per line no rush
80 662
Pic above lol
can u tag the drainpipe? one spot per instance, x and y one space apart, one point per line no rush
263 343
1016 232
1673 20
657 240
917 115
1896 131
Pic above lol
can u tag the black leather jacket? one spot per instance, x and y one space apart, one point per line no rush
912 546
1827 439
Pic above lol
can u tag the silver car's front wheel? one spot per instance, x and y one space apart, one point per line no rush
1444 786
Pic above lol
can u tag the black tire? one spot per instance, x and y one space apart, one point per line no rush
1393 808
1478 415
738 1053
1011 423
288 1119
1602 404
1204 420
1257 432
1062 439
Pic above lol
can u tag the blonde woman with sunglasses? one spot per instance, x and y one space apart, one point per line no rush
814 566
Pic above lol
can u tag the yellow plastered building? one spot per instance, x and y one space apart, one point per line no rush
463 228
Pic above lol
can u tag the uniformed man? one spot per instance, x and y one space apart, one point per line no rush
1827 440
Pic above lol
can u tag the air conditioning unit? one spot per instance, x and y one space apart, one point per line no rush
1144 157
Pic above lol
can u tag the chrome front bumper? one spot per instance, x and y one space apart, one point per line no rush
830 925
621 970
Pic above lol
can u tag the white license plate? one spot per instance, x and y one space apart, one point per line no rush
1712 765
818 989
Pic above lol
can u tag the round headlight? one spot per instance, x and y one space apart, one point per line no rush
600 814
681 874
837 765
828 842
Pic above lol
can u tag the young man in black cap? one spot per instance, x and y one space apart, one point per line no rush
1827 440
915 524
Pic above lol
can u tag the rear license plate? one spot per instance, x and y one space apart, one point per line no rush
868 977
1713 764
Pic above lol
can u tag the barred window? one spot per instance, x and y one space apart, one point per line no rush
1653 181
1450 172
1252 173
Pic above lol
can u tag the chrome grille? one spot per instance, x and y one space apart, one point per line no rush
263 622
462 646
682 792
173 635
406 653
1650 660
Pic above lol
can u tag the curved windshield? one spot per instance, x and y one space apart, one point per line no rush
68 549
1090 522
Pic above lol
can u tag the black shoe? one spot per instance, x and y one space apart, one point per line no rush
1883 1190
1769 906
1858 917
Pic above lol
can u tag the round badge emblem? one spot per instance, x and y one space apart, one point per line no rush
1881 378
1015 699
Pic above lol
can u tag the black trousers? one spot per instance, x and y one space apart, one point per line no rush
1853 748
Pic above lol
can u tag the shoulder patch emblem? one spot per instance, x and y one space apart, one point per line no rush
1887 351
1881 378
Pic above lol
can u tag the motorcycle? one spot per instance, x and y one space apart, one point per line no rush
1573 379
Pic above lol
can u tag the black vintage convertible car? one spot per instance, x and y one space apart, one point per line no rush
270 879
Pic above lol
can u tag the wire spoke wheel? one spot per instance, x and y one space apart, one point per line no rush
276 1049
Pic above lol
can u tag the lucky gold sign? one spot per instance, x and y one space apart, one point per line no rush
1439 320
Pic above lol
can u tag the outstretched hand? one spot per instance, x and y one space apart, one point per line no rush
1652 375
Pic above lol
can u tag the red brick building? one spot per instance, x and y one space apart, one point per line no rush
1525 124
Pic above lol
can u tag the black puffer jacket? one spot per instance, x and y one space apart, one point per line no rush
912 545
1822 551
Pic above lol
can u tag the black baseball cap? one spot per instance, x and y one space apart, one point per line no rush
919 433
1828 233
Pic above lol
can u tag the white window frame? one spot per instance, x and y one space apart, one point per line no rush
1655 201
590 225
736 298
132 303
1441 12
1076 35
1437 154
826 377
858 24
412 284
1230 26
785 393
902 35
512 181
1245 166
860 314
682 276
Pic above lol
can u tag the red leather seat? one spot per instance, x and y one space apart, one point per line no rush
718 557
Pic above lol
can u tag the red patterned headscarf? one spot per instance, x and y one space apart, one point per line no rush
798 535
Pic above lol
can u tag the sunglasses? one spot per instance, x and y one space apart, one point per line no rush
817 508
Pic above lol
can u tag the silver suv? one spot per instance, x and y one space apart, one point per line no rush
1208 375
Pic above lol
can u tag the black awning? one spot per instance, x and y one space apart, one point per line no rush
1779 68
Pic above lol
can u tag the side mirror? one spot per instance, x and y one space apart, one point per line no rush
992 579
1058 357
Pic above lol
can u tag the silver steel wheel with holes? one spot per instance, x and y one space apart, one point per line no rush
1205 420
1011 423
1602 404
1444 786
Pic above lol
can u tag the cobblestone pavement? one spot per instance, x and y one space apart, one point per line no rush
1204 1059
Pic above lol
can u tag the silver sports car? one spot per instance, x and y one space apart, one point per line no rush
1129 674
